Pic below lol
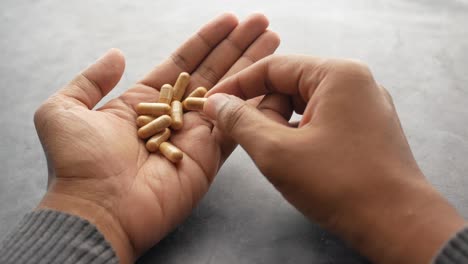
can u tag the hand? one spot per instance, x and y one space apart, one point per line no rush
101 171
348 165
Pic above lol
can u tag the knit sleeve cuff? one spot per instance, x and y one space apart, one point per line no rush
48 236
455 251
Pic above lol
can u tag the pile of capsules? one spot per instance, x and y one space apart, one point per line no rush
156 120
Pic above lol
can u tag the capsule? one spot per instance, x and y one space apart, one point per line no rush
154 109
152 145
171 152
177 115
180 86
194 103
199 92
165 95
143 120
155 126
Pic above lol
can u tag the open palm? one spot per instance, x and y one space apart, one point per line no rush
96 156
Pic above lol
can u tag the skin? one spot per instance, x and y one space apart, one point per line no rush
100 170
347 165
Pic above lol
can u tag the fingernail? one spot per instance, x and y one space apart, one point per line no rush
214 104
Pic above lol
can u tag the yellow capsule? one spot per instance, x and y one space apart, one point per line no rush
177 115
194 103
171 152
155 126
165 95
180 86
143 120
199 92
152 145
154 109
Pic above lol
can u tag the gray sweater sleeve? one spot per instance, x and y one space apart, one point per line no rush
54 237
455 251
48 236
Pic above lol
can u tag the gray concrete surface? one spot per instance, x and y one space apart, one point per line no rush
417 49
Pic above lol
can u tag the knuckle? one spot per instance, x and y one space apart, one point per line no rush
280 59
235 45
208 74
204 40
40 118
249 57
386 93
350 70
180 61
273 59
41 113
38 115
46 110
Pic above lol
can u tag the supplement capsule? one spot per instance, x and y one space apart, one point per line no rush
199 92
155 126
143 120
152 145
177 115
171 152
194 103
154 109
165 95
180 86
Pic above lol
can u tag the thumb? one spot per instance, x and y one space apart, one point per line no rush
91 85
253 130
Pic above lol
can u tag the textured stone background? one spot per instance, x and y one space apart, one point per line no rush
417 49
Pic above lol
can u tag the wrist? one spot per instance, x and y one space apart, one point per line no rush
96 214
407 223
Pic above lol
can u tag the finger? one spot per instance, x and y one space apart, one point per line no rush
280 74
229 50
389 99
263 46
255 101
243 123
90 86
277 107
188 56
